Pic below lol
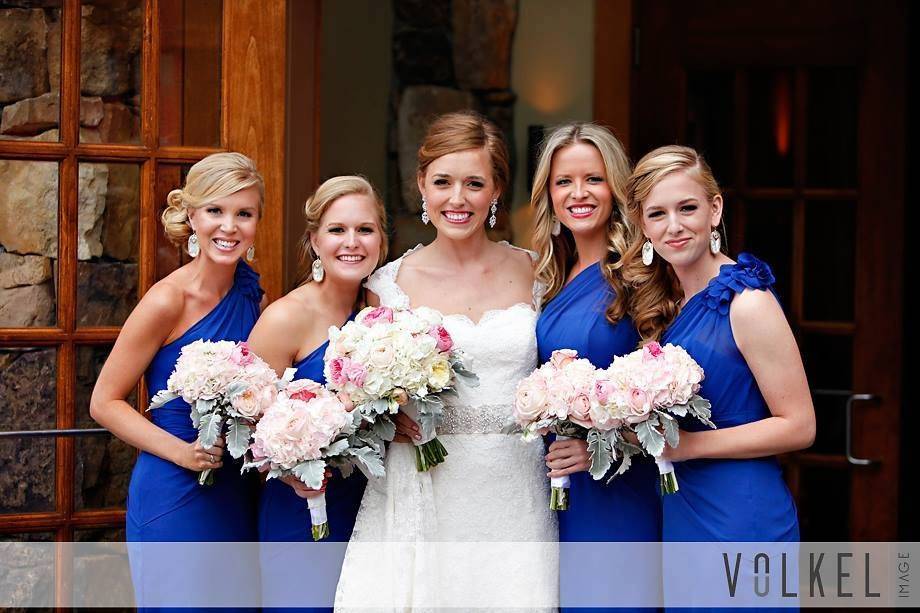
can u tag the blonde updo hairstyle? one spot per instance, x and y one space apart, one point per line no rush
652 293
317 205
556 254
461 131
217 176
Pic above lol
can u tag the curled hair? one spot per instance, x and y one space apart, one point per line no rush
556 254
217 176
653 292
461 131
317 205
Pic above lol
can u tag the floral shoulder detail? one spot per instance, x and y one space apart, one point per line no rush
247 280
748 273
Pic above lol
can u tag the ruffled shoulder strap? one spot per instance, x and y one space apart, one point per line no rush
539 289
748 273
247 281
383 283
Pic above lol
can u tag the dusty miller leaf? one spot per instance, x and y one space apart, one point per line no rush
311 473
652 440
238 437
209 429
601 454
671 432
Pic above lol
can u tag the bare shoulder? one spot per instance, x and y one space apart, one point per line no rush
291 310
757 316
518 260
165 300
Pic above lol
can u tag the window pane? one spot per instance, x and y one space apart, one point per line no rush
29 572
107 248
833 100
711 120
28 397
190 52
103 463
28 243
770 135
768 235
830 228
169 256
111 32
30 69
824 504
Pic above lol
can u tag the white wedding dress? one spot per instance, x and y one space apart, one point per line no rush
475 531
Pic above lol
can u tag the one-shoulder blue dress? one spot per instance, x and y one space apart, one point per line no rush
628 509
285 517
726 500
165 501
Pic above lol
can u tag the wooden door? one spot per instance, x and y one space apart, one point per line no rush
105 105
799 109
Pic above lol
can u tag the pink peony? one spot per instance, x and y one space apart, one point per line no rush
378 315
531 399
337 371
442 336
242 356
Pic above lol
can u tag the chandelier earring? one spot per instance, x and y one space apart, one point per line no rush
317 271
648 253
557 227
493 209
193 247
715 242
425 217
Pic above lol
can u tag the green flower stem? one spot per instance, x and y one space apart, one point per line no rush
669 483
429 455
321 531
206 477
559 499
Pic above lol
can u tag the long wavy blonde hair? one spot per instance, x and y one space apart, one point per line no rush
556 254
217 176
317 205
651 294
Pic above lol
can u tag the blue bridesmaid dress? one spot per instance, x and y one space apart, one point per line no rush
165 501
628 509
284 517
726 500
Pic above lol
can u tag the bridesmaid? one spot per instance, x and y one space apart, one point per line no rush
727 316
214 297
578 200
345 240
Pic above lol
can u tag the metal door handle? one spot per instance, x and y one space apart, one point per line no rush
851 397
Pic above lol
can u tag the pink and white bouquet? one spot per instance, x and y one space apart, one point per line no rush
305 430
646 391
557 397
389 360
227 386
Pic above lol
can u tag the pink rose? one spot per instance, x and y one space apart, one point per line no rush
442 336
530 401
381 314
354 372
580 410
561 357
638 406
602 390
242 356
652 351
336 371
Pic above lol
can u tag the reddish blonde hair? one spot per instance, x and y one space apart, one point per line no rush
461 131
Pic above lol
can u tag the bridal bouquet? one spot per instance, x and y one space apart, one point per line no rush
647 390
305 430
228 388
557 397
389 360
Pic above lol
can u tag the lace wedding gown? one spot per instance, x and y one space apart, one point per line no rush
475 531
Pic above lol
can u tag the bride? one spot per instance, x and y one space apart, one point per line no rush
475 531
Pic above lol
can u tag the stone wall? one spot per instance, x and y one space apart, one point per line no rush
448 55
107 235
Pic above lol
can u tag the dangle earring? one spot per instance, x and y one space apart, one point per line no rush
493 209
193 247
715 242
425 218
317 270
251 253
648 253
557 227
